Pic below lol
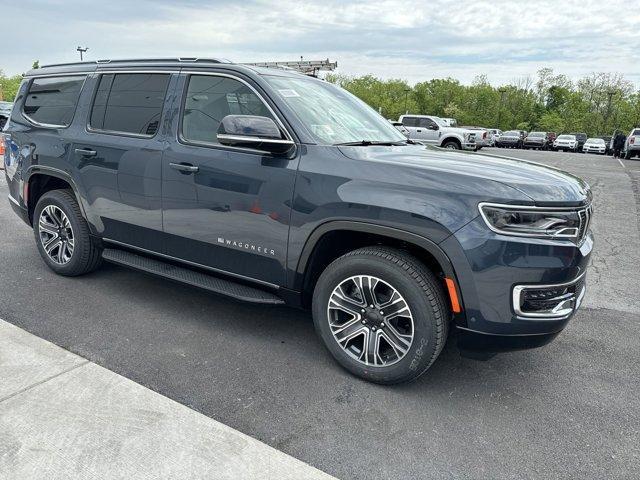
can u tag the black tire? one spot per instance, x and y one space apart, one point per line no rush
627 155
423 293
86 256
451 144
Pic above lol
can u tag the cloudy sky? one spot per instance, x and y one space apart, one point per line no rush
414 40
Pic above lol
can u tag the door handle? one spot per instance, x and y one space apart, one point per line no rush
85 152
184 167
418 130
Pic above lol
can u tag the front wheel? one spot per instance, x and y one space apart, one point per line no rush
451 145
62 235
382 314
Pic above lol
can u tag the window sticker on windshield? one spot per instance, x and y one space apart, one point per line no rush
322 130
288 92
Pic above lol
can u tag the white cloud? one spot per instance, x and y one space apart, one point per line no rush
389 38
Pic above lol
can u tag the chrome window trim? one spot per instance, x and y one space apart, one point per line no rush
75 107
518 289
586 208
181 139
194 264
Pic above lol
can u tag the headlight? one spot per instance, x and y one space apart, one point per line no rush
531 222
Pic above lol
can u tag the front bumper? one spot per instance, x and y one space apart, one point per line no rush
493 270
593 150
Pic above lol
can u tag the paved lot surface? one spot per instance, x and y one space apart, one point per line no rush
63 417
568 410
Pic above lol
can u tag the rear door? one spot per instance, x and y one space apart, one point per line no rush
118 156
225 208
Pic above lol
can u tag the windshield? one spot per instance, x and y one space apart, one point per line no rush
511 133
596 140
331 114
536 134
566 137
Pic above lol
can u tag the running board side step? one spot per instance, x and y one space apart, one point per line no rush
213 284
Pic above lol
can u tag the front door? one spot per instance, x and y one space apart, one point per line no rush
225 208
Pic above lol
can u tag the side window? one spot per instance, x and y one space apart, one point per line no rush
426 123
410 121
52 100
129 103
209 99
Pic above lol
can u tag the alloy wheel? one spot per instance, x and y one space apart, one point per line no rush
370 320
56 234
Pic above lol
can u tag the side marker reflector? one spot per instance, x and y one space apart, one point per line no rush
453 295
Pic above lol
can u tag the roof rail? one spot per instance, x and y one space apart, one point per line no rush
142 60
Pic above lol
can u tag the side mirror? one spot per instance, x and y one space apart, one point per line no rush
433 126
251 131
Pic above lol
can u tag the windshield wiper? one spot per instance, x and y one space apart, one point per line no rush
366 143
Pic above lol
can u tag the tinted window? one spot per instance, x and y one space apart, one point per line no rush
129 102
209 99
53 100
426 123
410 121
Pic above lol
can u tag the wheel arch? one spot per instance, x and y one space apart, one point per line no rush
332 239
41 179
452 137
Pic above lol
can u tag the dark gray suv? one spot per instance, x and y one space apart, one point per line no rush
272 187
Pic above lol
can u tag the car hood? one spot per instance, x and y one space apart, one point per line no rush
542 185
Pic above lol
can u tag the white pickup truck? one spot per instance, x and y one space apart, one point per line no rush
436 131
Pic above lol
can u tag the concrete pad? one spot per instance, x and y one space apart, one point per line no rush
88 422
26 360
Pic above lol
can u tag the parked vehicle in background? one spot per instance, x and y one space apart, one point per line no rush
594 145
551 137
632 145
435 131
483 139
276 188
494 134
510 139
537 140
581 138
5 113
566 143
608 141
451 122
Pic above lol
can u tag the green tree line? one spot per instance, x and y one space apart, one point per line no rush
596 104
9 84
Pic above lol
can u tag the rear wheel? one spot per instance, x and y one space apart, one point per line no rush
382 314
62 235
452 145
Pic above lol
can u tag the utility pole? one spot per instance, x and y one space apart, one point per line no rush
610 94
81 51
502 91
406 97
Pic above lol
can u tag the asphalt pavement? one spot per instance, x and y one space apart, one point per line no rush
568 410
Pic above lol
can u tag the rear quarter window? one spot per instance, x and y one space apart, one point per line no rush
52 100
